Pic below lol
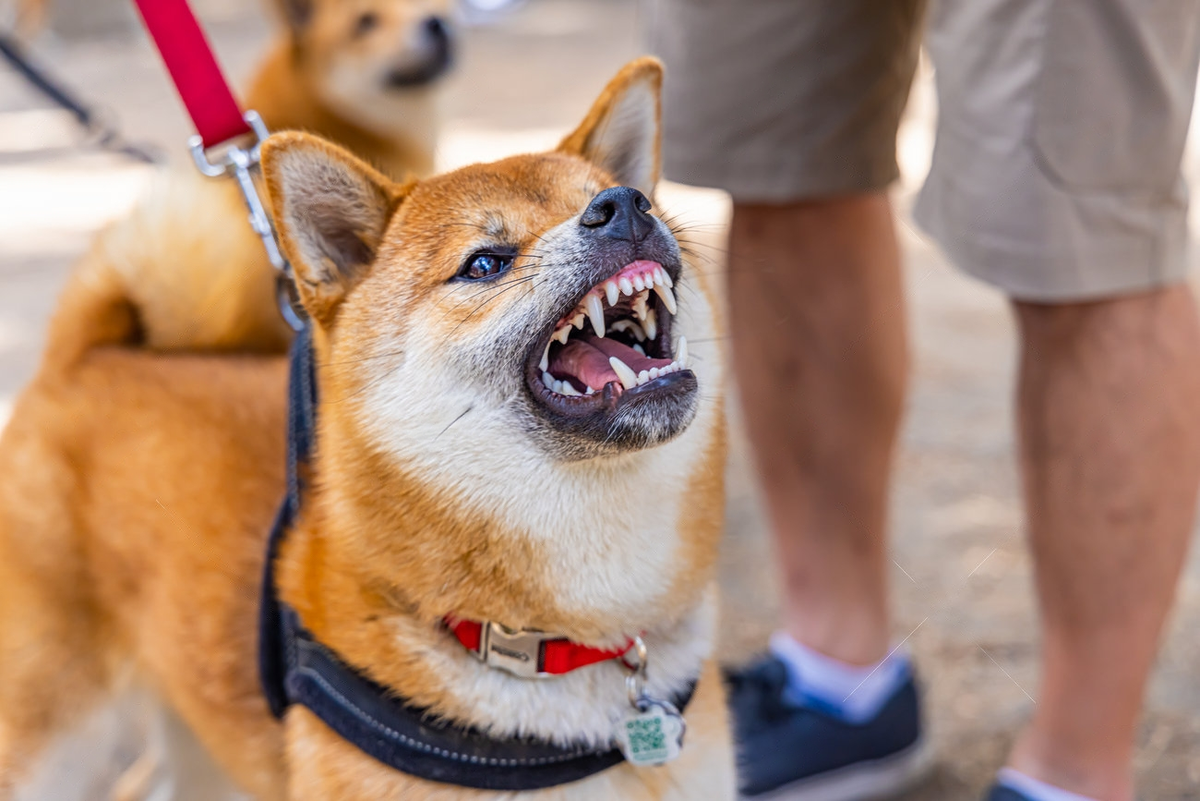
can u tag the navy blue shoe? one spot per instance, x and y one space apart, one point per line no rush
1001 793
801 753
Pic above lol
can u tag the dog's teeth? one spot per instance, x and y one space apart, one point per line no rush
578 320
625 285
650 322
643 377
667 296
544 365
631 327
681 354
612 291
568 389
562 335
548 380
595 312
640 349
638 283
655 373
624 372
590 391
639 307
667 279
660 277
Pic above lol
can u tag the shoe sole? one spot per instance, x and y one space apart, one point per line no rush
864 781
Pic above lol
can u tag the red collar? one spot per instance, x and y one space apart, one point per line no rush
528 652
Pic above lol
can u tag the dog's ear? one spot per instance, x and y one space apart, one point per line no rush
621 132
296 13
331 211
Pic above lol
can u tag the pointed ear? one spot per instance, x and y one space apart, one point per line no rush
331 211
621 132
296 13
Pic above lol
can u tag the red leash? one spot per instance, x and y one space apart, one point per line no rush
194 69
219 121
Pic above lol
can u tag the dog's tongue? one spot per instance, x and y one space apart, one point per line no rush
585 362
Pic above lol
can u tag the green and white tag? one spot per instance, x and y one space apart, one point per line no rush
651 735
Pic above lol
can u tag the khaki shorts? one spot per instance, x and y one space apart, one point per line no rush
1056 173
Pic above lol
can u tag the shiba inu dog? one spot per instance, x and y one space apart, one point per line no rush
512 428
362 73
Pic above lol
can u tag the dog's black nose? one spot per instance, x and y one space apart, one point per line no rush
621 212
437 29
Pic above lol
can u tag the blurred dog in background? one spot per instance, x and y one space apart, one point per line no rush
366 74
362 73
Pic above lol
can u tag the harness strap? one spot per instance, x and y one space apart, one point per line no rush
194 69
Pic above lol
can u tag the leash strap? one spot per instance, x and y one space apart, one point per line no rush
100 130
297 669
194 69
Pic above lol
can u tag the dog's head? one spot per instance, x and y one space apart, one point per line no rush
511 335
361 53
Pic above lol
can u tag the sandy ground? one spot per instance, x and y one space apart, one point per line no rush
961 578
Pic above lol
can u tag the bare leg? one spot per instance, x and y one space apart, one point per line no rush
1109 419
820 354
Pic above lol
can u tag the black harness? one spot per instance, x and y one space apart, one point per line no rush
296 669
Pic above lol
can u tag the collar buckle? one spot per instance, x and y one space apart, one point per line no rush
520 652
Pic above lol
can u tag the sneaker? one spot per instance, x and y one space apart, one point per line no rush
803 753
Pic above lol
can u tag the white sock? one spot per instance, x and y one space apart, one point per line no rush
1035 790
854 694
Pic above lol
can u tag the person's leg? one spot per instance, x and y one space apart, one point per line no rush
1109 422
819 353
792 108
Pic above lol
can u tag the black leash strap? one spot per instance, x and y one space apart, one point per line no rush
88 118
296 669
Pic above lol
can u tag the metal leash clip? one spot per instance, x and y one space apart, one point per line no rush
240 162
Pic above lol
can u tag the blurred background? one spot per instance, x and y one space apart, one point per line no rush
961 578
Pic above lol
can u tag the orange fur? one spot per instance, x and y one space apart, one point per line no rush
137 487
326 76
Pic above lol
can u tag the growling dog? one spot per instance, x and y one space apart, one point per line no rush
513 429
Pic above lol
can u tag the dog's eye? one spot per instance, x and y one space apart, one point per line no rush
366 23
485 265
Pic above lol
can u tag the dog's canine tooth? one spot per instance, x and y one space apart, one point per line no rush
625 285
544 365
668 297
595 312
624 372
568 389
612 291
681 353
650 321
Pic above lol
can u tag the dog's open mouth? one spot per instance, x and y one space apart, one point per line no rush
613 346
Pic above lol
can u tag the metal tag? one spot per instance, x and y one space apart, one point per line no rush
651 733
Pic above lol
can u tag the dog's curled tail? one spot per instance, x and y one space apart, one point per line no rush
182 272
